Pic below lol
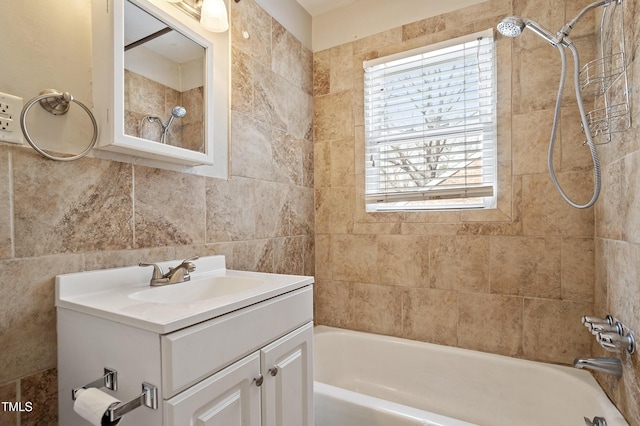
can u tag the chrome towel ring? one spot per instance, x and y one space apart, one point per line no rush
57 104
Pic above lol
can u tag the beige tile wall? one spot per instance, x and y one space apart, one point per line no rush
617 232
512 281
58 217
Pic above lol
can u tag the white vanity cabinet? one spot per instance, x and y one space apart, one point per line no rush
272 386
244 359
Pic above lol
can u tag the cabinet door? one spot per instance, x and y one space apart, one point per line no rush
287 390
228 398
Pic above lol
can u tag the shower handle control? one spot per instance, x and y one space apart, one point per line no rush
273 370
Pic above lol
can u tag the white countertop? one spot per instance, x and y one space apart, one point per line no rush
107 294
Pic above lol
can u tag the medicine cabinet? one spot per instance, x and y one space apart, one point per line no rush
160 83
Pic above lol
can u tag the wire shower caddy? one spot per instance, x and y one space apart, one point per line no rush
605 79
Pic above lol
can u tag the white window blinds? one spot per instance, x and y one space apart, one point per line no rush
430 124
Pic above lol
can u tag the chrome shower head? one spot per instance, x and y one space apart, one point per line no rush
178 112
511 26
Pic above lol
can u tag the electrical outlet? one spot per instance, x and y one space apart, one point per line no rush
10 108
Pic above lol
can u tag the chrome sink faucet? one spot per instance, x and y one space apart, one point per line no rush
178 274
611 366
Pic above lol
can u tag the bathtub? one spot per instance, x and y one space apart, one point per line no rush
363 379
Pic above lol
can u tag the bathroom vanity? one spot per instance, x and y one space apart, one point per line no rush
224 348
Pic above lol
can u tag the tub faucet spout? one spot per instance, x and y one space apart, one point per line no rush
612 366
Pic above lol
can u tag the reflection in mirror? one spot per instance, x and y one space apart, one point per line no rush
164 80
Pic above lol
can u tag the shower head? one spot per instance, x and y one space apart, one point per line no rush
178 112
512 26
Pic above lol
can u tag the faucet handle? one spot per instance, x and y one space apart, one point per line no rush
587 321
613 342
596 328
157 271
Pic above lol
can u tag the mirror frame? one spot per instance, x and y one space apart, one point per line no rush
108 84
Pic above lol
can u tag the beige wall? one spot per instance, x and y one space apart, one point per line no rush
514 281
89 214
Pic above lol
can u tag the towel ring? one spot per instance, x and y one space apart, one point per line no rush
56 103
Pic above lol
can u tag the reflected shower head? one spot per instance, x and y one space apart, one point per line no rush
178 112
512 26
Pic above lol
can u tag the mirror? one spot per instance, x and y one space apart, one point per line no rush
157 92
163 82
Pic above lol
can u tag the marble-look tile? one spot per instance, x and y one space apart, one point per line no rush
333 116
334 210
424 307
342 162
308 160
241 82
553 331
70 207
403 260
578 276
174 215
459 263
254 255
250 17
530 143
368 314
426 26
287 158
286 57
535 87
227 218
354 258
608 217
280 104
526 266
302 209
289 255
630 187
122 258
333 303
341 71
321 72
251 148
490 323
546 213
6 239
27 317
41 389
9 393
323 257
272 210
322 164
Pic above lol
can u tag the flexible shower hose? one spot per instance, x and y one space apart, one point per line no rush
585 126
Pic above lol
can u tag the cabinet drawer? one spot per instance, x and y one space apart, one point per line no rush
194 353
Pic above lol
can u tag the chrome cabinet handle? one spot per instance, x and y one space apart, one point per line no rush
273 370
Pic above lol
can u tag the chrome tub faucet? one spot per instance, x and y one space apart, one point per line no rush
178 274
612 366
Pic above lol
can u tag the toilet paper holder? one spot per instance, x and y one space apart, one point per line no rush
148 397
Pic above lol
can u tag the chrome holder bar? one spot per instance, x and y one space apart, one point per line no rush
109 380
148 398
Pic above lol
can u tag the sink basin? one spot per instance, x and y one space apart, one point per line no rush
124 294
197 290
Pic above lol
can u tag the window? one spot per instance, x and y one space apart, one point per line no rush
430 127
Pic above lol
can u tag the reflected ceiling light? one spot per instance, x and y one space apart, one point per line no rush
212 14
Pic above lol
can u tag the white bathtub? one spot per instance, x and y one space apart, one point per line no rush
364 379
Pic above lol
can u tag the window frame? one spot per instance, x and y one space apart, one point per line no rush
380 201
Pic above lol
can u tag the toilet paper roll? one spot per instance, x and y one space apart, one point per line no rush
92 404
